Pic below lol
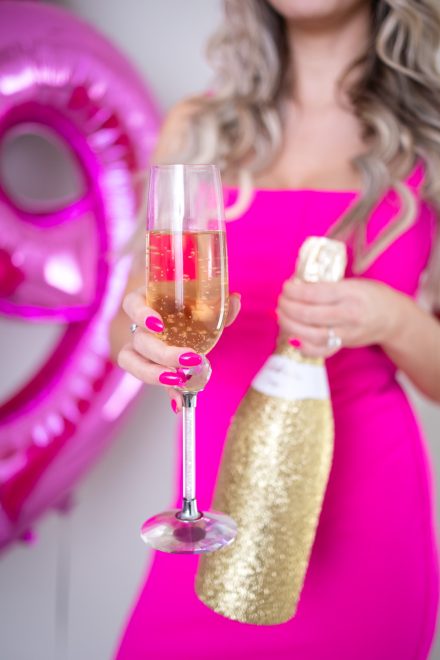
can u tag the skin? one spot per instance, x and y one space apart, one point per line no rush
321 137
144 354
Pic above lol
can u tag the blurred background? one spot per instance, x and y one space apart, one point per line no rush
67 596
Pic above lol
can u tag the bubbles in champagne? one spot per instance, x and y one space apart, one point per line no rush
187 284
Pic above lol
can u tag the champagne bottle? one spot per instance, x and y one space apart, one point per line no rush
274 473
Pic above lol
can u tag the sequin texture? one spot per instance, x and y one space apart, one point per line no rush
272 481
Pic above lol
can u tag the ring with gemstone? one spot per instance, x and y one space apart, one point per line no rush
133 328
333 340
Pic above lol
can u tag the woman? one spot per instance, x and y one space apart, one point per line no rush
325 120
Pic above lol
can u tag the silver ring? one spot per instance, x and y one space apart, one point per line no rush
333 340
133 328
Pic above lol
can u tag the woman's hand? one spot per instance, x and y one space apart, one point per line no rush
151 360
359 311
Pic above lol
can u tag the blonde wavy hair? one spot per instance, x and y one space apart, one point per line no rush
396 98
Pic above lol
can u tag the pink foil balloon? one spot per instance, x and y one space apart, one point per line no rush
59 74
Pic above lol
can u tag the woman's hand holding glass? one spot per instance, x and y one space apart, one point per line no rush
149 358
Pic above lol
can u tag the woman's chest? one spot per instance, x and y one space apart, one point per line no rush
317 151
263 244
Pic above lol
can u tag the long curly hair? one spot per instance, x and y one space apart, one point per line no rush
396 98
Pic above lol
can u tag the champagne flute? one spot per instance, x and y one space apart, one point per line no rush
187 284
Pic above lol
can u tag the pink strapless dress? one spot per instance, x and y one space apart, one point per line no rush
371 589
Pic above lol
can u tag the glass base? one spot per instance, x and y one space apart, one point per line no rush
168 533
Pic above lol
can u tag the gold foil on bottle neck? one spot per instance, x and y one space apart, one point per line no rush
321 260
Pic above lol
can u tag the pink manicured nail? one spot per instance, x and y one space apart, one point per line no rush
296 343
170 378
154 324
174 406
184 376
190 359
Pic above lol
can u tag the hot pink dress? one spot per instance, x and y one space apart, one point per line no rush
371 589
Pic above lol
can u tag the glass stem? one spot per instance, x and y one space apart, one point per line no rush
189 505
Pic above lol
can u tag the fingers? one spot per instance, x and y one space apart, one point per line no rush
146 340
311 350
306 311
176 400
234 308
154 349
152 374
134 306
317 336
315 293
150 359
311 341
147 357
145 370
308 314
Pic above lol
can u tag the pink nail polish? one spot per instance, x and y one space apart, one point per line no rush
184 376
296 343
190 359
174 406
154 324
170 378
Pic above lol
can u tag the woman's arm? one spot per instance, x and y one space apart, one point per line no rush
364 312
414 346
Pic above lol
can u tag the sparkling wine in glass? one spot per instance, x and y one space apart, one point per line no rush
187 284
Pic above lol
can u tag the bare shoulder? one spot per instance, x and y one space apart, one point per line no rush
174 128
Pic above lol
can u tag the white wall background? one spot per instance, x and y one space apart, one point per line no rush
98 544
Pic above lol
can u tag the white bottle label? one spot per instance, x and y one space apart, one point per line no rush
288 379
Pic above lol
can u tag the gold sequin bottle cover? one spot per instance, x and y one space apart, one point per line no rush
273 475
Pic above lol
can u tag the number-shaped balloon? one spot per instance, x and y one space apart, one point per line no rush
62 265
